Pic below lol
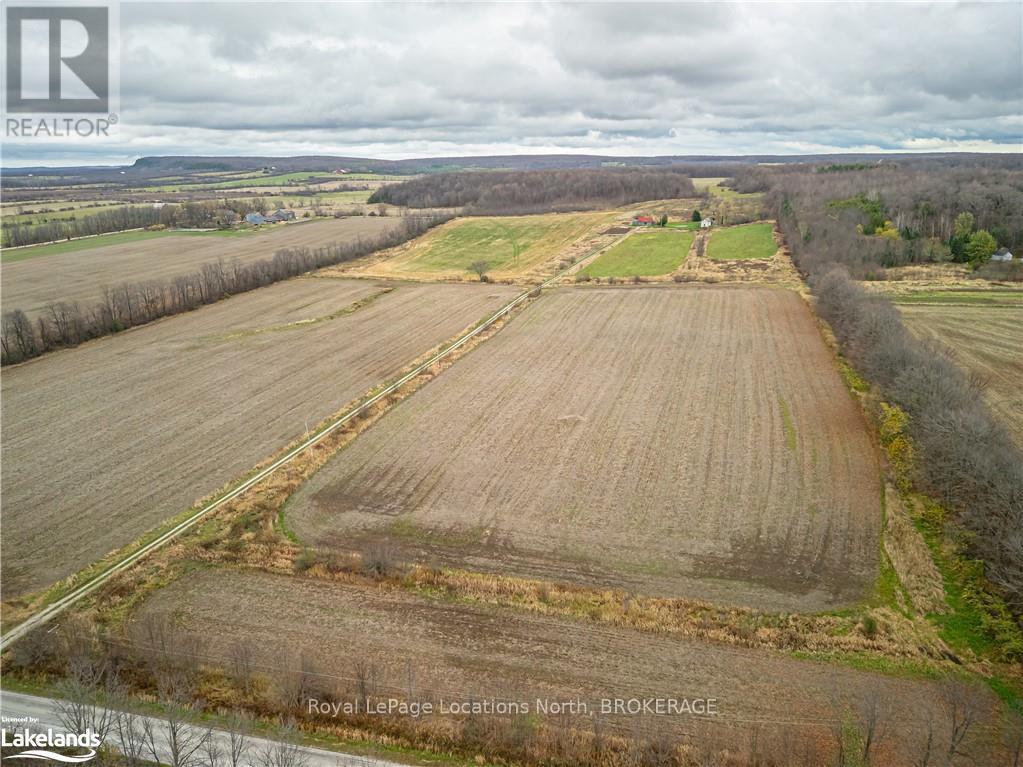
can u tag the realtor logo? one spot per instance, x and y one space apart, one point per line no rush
58 59
40 745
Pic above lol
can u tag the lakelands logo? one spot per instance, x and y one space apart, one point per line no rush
40 745
61 69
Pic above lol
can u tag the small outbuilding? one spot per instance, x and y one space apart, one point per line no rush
1002 254
643 221
706 223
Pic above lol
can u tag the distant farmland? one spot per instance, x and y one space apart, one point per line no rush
686 441
511 245
645 254
750 241
81 273
104 442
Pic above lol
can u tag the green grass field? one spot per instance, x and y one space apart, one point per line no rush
507 243
643 254
115 238
742 242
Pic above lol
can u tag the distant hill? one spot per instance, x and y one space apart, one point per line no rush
698 165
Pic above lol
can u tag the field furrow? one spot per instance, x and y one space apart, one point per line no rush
987 342
431 650
31 283
103 442
673 440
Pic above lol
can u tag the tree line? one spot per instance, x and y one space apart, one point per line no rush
205 214
892 215
68 323
539 191
965 457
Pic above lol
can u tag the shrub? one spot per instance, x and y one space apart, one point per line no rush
380 560
896 443
306 560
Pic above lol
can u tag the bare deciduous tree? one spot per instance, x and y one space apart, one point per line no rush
873 712
78 708
963 704
296 684
176 740
131 737
243 664
211 752
131 304
281 753
238 728
480 269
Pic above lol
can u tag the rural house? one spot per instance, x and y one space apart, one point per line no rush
1002 254
643 221
254 218
706 223
280 215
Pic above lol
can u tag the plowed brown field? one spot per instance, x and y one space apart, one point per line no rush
457 652
694 441
986 341
31 284
103 442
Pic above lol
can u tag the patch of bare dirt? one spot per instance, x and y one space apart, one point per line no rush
410 647
80 276
104 442
682 441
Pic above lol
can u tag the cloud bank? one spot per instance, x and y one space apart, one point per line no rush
393 81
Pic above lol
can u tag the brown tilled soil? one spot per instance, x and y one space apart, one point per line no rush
453 651
103 442
687 441
986 342
31 284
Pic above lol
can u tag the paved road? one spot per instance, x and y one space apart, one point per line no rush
44 711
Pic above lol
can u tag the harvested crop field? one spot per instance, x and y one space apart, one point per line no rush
457 651
30 284
742 242
986 340
103 442
511 245
643 253
687 441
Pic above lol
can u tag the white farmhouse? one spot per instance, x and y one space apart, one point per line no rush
1002 254
706 223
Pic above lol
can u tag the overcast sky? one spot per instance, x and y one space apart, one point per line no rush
395 81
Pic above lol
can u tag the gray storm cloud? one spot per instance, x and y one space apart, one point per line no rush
398 81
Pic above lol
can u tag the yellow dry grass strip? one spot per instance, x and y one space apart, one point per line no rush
911 558
896 636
